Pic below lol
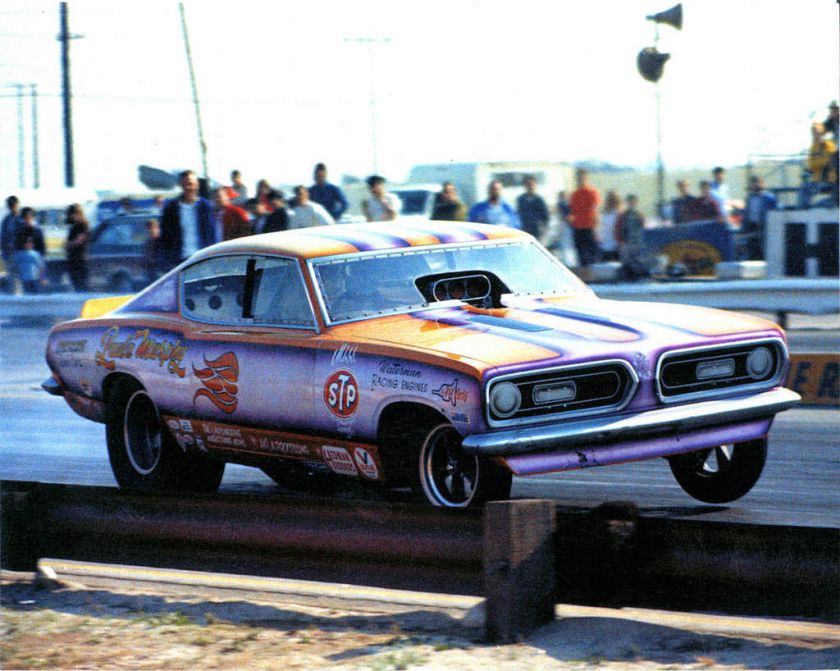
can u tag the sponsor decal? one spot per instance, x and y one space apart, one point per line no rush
642 365
341 393
345 355
394 367
70 346
452 393
367 466
166 352
338 456
339 460
86 387
186 425
461 417
219 378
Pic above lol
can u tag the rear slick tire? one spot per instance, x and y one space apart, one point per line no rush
720 474
143 454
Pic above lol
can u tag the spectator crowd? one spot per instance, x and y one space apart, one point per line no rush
602 230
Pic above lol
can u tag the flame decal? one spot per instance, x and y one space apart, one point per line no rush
219 379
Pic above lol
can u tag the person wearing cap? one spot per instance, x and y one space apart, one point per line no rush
327 195
381 206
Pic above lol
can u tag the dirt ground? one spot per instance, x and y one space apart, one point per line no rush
126 627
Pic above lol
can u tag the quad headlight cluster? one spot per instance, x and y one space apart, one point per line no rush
569 390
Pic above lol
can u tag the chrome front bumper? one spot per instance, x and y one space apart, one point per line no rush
605 430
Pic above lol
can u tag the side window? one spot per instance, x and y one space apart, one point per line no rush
279 294
214 290
246 290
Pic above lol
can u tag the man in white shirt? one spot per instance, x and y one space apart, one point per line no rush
381 206
186 224
306 213
720 191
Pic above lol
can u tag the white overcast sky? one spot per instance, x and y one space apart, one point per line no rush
283 85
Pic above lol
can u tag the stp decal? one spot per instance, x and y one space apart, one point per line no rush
341 393
219 380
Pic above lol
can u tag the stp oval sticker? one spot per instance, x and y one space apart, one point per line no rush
341 393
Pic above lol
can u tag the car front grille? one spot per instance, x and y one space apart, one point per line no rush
710 371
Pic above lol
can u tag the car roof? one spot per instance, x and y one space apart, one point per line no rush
320 241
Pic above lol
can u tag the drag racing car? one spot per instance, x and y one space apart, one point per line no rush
444 357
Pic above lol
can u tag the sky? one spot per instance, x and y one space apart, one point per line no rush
283 85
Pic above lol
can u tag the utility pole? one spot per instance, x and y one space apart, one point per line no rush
371 42
64 38
201 141
21 160
36 161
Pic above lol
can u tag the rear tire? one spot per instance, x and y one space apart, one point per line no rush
447 477
144 456
720 474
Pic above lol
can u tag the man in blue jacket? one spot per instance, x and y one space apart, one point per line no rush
494 210
186 224
327 195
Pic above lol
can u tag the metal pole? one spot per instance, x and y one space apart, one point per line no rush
36 161
660 166
21 170
64 37
372 71
202 143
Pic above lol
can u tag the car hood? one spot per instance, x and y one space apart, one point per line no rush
554 331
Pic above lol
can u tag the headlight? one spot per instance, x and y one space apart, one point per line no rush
505 399
759 363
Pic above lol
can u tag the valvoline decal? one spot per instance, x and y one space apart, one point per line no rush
341 393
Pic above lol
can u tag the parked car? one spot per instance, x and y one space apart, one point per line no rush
117 254
446 357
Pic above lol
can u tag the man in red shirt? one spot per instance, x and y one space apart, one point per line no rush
232 220
583 217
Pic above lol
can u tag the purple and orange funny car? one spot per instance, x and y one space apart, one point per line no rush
441 356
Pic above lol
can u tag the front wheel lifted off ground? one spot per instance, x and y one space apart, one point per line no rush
144 455
720 474
446 476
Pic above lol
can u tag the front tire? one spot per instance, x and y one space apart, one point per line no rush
143 454
720 474
447 477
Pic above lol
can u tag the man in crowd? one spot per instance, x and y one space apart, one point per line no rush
532 210
186 224
683 205
630 231
759 202
327 195
279 219
305 213
720 192
494 210
7 235
232 221
448 206
237 192
381 206
705 207
583 218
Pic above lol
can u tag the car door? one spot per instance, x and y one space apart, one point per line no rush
252 341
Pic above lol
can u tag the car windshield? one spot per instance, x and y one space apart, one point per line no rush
378 284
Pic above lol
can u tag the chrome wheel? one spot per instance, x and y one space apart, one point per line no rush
449 477
141 433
